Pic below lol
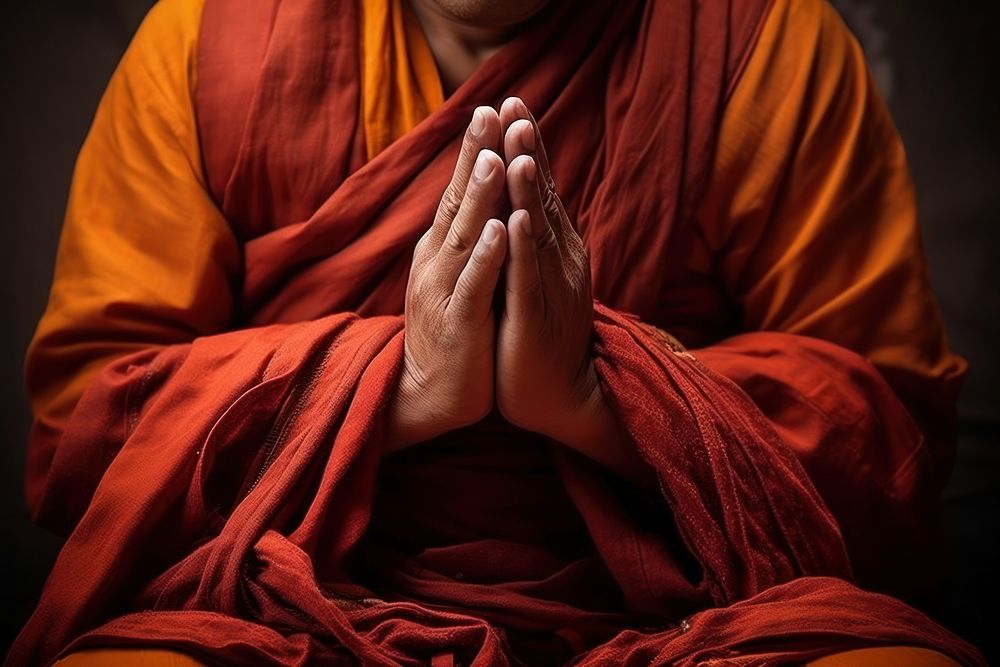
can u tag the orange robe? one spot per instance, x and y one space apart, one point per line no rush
806 154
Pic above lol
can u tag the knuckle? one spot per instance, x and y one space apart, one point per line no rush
451 202
550 182
550 204
438 291
420 250
427 294
418 281
420 246
456 243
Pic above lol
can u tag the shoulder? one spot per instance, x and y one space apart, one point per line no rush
804 19
803 98
164 50
148 104
171 24
804 48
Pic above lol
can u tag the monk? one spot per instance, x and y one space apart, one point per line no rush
461 332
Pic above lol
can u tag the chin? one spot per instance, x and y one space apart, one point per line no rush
489 13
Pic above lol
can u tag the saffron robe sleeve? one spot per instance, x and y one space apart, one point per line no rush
810 224
144 286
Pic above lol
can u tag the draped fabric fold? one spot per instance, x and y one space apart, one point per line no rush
744 505
270 526
234 437
857 442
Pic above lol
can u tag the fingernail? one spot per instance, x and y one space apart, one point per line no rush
525 220
522 109
478 122
490 233
484 166
528 136
529 170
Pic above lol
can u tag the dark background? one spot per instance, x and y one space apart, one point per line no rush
938 63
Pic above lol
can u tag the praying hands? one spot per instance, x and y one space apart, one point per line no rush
536 363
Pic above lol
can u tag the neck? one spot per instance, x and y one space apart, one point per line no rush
459 48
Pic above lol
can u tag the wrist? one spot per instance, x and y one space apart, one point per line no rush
586 414
407 416
594 430
421 409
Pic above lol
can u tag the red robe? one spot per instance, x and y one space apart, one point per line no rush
234 503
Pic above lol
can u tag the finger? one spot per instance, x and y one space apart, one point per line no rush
521 177
508 116
508 111
514 109
525 302
483 132
473 297
518 140
522 186
478 205
522 137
